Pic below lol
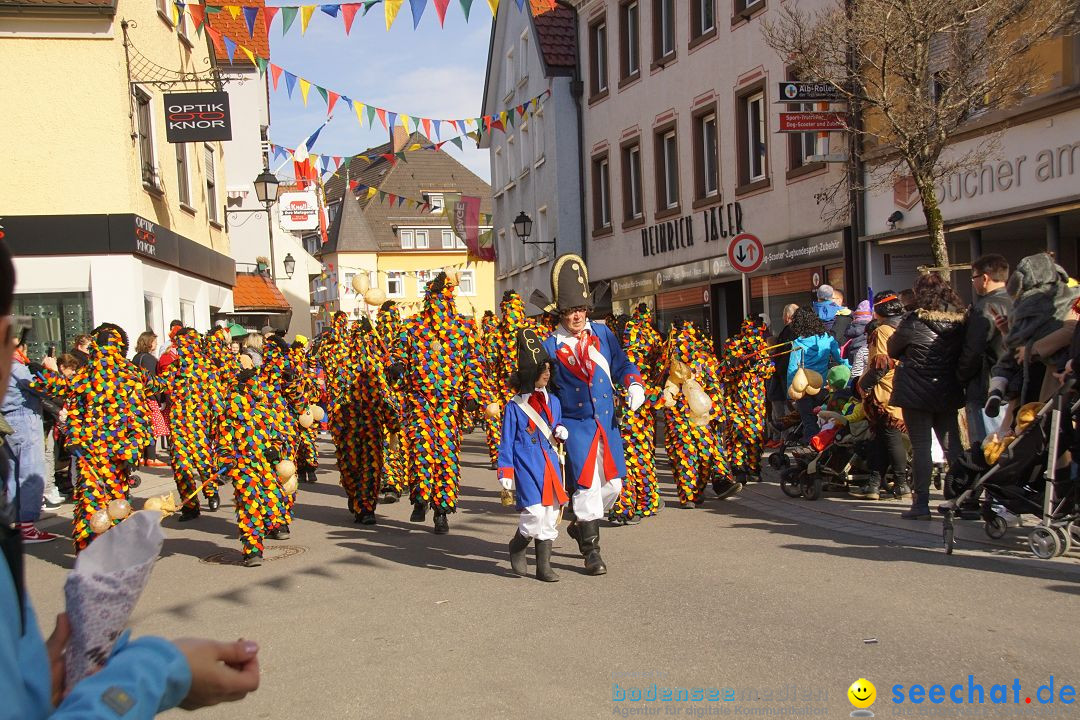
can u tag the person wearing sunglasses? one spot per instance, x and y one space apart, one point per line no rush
984 344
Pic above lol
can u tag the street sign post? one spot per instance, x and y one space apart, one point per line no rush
745 253
812 121
798 92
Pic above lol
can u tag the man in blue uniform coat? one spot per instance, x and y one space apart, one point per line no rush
589 361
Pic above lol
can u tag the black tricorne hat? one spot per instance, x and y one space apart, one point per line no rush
531 358
570 283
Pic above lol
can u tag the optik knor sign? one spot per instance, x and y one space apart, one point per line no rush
197 117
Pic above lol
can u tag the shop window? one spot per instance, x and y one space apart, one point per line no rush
629 41
213 212
631 174
702 19
187 313
667 170
601 188
706 154
752 138
155 314
598 79
663 31
58 318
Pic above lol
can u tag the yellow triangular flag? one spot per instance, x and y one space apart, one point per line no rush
305 17
359 108
494 5
234 10
404 121
250 55
502 118
414 146
305 86
372 192
391 8
175 14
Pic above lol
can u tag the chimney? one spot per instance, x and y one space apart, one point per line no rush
400 138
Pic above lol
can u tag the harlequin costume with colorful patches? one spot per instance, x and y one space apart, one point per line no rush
336 359
194 402
490 340
438 360
285 397
107 424
528 462
694 449
745 366
248 449
640 495
394 484
589 361
307 390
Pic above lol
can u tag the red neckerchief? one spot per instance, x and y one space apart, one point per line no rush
539 403
585 340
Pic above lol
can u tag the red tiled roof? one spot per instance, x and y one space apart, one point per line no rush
258 42
254 292
555 29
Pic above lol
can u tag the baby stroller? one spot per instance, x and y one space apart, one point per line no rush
1024 480
835 468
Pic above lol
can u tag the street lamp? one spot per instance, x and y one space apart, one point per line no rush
266 189
523 225
290 265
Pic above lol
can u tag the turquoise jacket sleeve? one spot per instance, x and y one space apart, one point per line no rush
141 679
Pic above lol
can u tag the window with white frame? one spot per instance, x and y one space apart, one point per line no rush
467 282
632 189
448 239
395 284
523 56
423 277
163 8
436 201
145 130
540 227
508 85
213 212
669 169
598 52
183 174
755 137
348 281
421 239
406 239
537 131
496 170
511 159
601 185
664 27
703 16
630 40
525 145
706 145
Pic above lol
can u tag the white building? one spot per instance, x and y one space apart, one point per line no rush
535 164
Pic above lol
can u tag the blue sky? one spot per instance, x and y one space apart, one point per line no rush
433 71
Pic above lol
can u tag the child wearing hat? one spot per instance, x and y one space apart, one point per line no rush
528 463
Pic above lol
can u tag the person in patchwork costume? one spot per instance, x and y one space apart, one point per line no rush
745 367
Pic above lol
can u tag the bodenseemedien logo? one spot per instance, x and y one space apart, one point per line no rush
862 695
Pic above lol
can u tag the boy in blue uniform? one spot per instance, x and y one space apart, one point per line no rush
589 361
527 458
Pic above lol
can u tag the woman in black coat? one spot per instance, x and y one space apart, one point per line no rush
927 345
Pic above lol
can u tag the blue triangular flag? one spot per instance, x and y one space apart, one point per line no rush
418 7
290 82
331 10
250 14
230 47
391 120
438 126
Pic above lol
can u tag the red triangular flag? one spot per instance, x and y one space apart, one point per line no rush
348 12
427 126
353 184
269 12
440 9
275 74
331 99
382 117
198 14
215 37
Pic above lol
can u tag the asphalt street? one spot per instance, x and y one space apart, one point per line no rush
775 604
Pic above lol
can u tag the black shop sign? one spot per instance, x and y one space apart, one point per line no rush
719 221
197 117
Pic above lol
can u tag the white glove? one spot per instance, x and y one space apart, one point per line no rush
635 396
560 432
506 482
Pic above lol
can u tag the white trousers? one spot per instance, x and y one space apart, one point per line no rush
593 503
539 522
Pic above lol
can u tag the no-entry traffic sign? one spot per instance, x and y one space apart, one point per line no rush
745 253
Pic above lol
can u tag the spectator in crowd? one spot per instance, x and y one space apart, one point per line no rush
814 349
887 448
24 475
855 339
63 478
778 398
984 344
80 349
824 307
927 345
267 331
1037 332
842 320
253 346
146 359
169 356
234 347
907 299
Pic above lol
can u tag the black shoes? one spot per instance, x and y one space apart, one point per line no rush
253 560
366 518
278 534
725 488
390 496
419 512
518 545
442 525
543 561
189 514
213 504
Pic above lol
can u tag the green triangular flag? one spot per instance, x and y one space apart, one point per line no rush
369 3
370 114
510 119
466 6
322 92
401 154
457 141
214 9
382 196
288 15
262 63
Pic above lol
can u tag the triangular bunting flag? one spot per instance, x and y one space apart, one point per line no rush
269 13
290 82
359 108
400 199
457 141
427 127
331 10
332 101
250 55
215 37
494 5
288 16
440 10
466 7
418 7
234 11
438 127
230 46
251 14
198 15
370 115
275 74
348 12
323 93
382 117
262 64
305 88
305 17
390 9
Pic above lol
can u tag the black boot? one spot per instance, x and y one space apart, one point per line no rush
419 512
213 504
543 561
590 547
390 496
366 517
442 524
518 564
870 491
189 513
920 507
574 531
255 559
281 533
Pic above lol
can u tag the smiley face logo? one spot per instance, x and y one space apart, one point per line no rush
862 693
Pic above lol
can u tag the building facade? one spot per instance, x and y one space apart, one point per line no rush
109 222
535 165
681 153
246 155
1023 198
398 246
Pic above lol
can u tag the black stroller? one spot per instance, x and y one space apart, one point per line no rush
1025 480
